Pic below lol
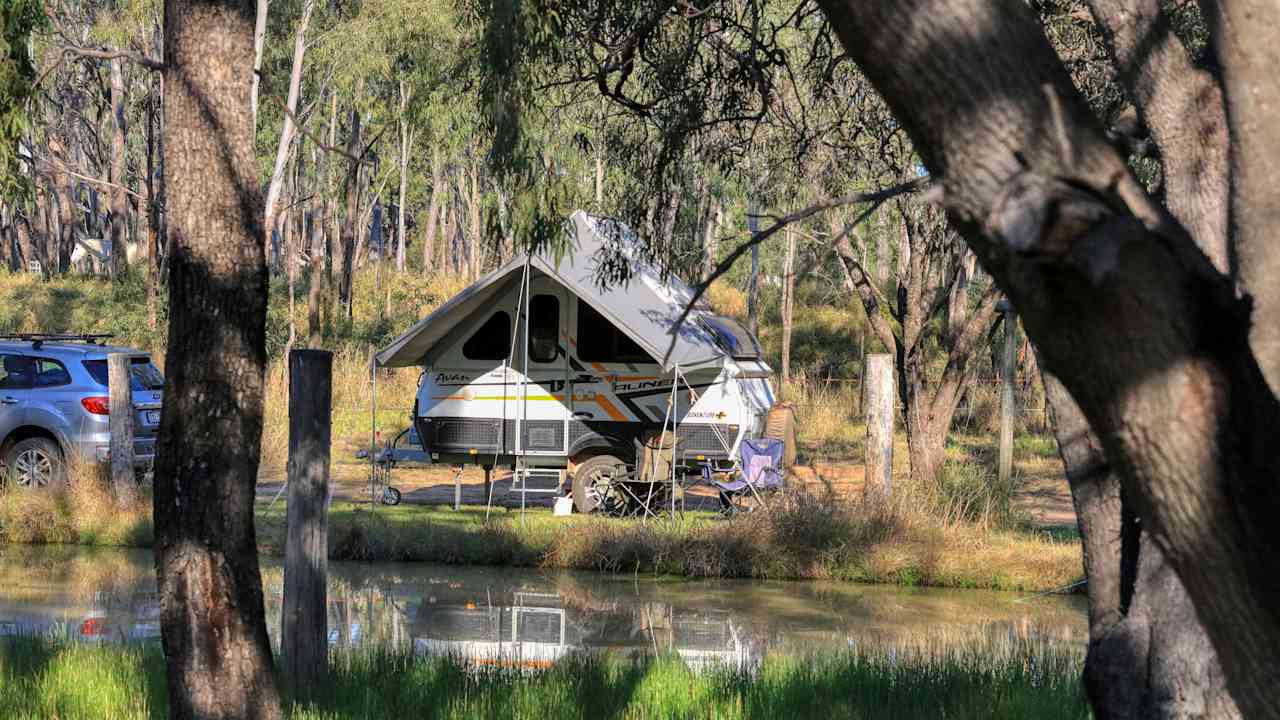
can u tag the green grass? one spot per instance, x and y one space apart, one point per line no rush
45 678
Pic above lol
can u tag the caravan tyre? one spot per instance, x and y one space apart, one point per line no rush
592 482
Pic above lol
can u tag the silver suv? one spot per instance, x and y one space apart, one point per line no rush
54 406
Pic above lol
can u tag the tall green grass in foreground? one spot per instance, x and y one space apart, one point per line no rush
41 678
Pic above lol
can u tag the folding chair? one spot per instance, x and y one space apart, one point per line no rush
760 472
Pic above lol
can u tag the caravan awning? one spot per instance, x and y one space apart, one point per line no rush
646 308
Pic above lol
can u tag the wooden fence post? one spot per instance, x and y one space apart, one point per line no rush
1007 380
304 633
120 387
878 379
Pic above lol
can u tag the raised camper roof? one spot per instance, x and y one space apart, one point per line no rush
646 308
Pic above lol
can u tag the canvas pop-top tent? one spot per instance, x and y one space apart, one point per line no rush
537 361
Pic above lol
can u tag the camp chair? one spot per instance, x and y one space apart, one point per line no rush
646 491
760 472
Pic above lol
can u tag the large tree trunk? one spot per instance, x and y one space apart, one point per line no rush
1246 39
1144 333
119 224
1148 655
213 627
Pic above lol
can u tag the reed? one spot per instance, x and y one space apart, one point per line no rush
44 677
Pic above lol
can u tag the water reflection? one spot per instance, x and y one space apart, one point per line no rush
532 619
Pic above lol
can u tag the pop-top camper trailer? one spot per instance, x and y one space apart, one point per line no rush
593 370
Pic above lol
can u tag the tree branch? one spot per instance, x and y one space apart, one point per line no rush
875 198
143 60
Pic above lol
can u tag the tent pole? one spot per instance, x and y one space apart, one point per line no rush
524 395
373 436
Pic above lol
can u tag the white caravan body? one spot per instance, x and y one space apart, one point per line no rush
589 373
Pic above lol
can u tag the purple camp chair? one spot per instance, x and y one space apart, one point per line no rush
761 472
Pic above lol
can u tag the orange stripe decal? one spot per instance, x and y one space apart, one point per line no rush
609 408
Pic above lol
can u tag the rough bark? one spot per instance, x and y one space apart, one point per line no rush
1148 655
1246 40
213 628
1133 319
1182 107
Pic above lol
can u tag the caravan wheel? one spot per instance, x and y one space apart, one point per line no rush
593 483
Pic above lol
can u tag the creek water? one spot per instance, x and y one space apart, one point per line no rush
533 618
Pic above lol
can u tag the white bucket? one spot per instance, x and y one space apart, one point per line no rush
564 506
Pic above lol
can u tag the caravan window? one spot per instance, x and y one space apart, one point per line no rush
492 341
600 341
544 328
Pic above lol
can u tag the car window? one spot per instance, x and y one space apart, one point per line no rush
146 376
16 372
50 373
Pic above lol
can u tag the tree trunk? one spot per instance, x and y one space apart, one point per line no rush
213 627
352 218
433 212
153 214
406 143
1246 40
119 223
1148 654
259 39
711 238
788 302
287 131
1145 334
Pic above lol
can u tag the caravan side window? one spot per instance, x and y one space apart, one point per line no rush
544 328
492 341
600 341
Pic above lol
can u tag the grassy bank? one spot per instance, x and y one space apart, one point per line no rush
802 537
43 678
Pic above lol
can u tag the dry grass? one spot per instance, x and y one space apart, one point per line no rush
728 300
84 511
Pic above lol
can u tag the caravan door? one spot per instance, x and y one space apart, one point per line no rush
542 414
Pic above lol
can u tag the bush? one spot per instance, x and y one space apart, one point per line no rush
971 492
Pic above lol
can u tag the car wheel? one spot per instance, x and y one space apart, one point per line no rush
35 464
593 483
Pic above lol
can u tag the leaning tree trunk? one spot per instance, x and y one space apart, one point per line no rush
213 627
1146 335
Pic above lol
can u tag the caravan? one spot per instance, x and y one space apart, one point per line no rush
536 363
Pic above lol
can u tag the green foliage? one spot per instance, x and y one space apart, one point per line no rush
18 19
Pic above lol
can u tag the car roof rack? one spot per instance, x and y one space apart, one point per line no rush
39 339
